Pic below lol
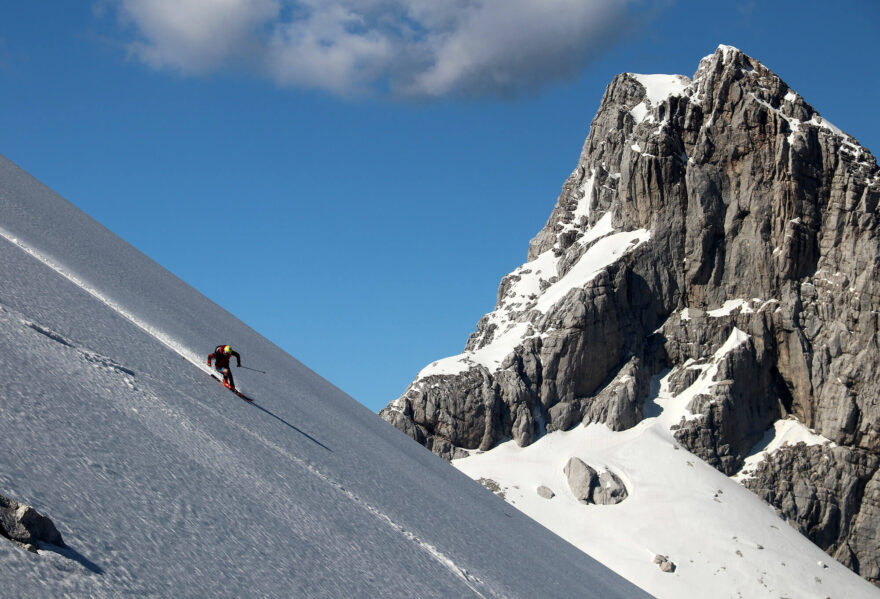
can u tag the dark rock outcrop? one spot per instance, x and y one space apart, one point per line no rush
701 211
746 397
832 495
26 527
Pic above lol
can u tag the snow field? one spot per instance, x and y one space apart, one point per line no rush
159 335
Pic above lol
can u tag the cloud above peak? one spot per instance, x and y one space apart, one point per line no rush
405 48
195 35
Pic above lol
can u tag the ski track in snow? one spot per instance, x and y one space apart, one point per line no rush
476 585
160 336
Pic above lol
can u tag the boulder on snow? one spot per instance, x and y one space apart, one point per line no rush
611 489
589 486
546 492
581 479
25 526
493 486
666 564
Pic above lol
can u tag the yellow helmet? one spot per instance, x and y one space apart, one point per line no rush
227 350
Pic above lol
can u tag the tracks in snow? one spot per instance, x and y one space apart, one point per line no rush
160 336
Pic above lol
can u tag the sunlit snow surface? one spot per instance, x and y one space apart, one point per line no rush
724 540
164 484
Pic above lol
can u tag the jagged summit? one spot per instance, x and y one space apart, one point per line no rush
701 212
725 55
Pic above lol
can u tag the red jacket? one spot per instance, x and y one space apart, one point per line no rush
221 358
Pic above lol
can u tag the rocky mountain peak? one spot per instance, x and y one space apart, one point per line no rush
714 225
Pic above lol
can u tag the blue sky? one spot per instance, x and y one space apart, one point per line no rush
353 178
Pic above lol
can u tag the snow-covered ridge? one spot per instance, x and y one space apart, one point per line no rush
660 87
790 97
794 124
535 291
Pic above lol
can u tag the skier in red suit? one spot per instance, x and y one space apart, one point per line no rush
221 356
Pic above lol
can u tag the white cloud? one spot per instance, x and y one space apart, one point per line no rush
507 45
411 48
333 48
195 35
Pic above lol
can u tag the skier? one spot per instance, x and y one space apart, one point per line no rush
221 355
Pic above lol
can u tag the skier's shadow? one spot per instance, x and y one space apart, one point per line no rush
282 420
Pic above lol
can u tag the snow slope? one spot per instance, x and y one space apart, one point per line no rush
165 484
724 540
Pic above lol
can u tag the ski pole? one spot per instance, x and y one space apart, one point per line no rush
254 369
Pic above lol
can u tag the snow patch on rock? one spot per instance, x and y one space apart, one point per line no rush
785 432
657 89
531 291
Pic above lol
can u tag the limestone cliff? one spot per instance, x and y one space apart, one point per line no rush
700 209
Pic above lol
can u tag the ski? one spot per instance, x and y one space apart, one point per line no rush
242 395
236 391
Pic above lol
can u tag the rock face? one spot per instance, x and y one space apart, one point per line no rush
701 211
832 495
23 525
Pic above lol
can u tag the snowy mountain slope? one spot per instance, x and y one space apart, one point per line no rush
165 484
